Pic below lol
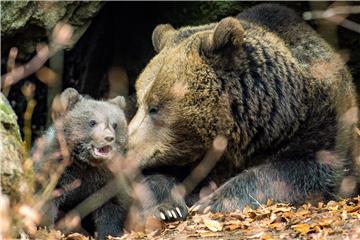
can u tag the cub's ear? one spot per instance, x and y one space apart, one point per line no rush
119 101
228 35
68 98
160 35
64 103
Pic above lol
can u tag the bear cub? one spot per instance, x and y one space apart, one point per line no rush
95 133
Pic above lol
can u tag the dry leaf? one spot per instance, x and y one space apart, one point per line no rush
303 212
232 227
278 226
267 236
302 228
325 222
213 225
181 226
76 236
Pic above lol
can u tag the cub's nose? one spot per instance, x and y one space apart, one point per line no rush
109 138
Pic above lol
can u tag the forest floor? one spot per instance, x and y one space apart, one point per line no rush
332 220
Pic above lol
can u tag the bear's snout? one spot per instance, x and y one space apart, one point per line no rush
103 135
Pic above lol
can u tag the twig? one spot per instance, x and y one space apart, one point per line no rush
61 36
334 15
316 14
256 201
206 165
31 103
46 194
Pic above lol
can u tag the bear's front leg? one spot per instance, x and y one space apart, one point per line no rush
49 213
109 220
288 181
165 204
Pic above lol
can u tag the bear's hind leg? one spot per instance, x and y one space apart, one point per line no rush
291 181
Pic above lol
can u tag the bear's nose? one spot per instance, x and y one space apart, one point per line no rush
108 135
109 138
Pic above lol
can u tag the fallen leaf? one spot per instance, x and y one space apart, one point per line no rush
181 226
76 236
302 228
213 225
237 215
325 222
152 224
269 202
278 226
303 212
267 236
232 227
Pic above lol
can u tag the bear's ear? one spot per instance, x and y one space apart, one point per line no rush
68 98
119 101
160 34
228 34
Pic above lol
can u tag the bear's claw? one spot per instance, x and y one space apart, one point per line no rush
168 213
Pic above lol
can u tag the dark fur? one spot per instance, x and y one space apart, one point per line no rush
80 138
250 79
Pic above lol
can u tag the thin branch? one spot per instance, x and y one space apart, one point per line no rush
334 15
316 14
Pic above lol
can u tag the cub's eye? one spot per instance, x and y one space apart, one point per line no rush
115 126
153 110
92 123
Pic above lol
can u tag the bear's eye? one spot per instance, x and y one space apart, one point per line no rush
115 126
153 110
92 123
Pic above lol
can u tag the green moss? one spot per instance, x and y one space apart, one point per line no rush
11 149
8 119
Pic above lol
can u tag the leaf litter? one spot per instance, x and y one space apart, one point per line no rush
332 220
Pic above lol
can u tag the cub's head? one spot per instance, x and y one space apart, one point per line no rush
182 103
94 131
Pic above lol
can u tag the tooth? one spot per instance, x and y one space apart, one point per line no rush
162 216
179 212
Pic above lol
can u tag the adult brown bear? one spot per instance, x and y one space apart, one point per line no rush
265 81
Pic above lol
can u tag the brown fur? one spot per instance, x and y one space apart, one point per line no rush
252 80
87 126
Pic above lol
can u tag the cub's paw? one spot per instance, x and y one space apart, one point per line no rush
170 212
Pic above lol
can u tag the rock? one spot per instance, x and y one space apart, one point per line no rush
16 179
26 23
10 144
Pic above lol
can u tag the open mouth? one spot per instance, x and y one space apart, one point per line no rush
102 153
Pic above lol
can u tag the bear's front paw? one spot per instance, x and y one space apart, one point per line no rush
218 201
170 212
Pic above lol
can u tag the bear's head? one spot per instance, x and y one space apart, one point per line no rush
94 131
181 105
